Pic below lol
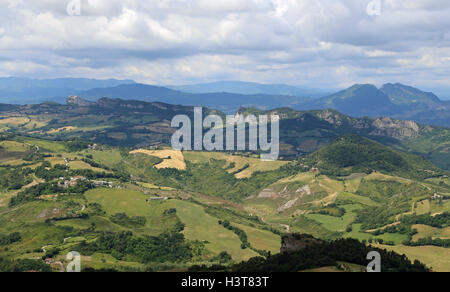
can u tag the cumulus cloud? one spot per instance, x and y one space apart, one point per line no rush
318 43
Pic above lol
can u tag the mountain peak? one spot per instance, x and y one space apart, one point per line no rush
359 100
406 95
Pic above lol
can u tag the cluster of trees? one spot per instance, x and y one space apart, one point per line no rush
90 174
172 211
14 179
10 239
42 189
242 237
124 220
223 258
20 266
239 232
76 145
332 210
167 247
33 157
322 254
221 212
7 136
93 163
429 241
241 169
96 209
47 172
438 221
400 229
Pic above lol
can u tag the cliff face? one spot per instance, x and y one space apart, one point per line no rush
395 128
385 127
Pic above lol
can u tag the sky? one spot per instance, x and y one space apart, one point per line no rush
311 43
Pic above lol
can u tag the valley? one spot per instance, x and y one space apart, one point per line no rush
145 208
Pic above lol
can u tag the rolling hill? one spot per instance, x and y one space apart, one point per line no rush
137 123
131 211
354 154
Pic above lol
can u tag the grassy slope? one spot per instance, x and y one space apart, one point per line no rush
436 257
202 226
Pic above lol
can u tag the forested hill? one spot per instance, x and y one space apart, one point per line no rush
137 123
355 154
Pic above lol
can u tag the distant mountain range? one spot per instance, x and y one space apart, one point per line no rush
251 88
140 124
394 100
227 102
25 90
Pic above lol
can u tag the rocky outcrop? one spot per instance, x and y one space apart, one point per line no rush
395 128
78 101
287 206
296 242
331 117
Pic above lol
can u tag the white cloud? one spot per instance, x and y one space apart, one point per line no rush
307 42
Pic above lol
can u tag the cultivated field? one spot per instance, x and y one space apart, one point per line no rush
172 158
204 227
425 231
243 167
436 257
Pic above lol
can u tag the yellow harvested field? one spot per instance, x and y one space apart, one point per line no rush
14 121
254 164
36 122
64 129
171 158
155 187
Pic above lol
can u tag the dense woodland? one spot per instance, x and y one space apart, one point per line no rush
322 254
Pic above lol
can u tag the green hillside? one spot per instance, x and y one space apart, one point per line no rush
126 123
354 154
158 209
